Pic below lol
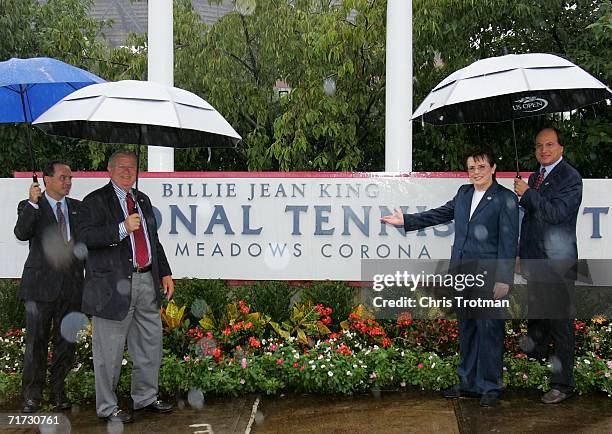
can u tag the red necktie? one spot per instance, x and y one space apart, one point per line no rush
540 179
142 253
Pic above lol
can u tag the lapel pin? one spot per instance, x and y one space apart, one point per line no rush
489 198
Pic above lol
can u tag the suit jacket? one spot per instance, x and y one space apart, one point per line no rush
548 229
51 267
108 272
491 233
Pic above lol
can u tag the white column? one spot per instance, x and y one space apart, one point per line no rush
160 70
398 103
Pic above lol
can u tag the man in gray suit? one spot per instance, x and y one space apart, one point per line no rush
125 266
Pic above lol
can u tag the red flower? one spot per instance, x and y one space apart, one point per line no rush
217 353
279 362
420 366
295 364
243 307
248 325
254 342
386 342
227 331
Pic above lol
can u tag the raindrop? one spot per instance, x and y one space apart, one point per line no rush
276 256
199 308
207 346
352 16
329 86
195 398
124 287
375 392
72 324
259 417
31 308
114 427
527 344
56 251
246 7
555 365
80 251
481 232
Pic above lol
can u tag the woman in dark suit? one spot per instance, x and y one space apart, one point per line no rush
486 220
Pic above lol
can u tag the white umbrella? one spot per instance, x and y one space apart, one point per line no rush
141 113
510 87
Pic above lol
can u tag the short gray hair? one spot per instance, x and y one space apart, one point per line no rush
123 153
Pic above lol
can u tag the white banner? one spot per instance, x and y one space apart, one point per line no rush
303 226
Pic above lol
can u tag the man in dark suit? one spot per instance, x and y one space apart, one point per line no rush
486 235
551 200
51 283
125 266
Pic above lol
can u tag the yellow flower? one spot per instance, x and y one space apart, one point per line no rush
598 319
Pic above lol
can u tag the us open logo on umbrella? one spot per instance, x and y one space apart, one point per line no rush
529 104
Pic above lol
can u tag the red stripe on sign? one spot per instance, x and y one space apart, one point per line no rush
180 175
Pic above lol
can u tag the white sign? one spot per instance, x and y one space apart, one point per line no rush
311 226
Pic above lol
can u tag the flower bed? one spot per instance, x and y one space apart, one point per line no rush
239 351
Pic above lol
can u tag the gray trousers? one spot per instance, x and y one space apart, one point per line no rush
143 330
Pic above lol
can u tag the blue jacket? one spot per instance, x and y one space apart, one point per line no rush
548 229
491 233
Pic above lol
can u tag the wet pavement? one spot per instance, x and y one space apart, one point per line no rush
392 412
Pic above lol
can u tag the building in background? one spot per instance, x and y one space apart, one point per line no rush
131 16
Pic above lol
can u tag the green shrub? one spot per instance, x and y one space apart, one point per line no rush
337 295
12 314
202 296
272 298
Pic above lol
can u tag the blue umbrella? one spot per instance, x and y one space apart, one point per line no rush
28 87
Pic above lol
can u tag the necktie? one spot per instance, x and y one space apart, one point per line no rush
540 179
140 243
61 221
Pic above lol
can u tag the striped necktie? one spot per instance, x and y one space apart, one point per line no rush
540 179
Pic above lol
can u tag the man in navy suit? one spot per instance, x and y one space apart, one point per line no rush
551 200
486 234
51 283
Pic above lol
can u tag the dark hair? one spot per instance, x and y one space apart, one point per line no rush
480 153
49 169
560 137
122 152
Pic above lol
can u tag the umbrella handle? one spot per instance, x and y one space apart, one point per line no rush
34 177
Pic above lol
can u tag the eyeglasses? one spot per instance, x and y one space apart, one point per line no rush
479 168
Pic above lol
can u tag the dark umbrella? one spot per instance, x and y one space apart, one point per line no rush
28 87
510 87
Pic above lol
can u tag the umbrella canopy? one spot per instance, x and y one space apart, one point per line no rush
28 87
510 87
141 113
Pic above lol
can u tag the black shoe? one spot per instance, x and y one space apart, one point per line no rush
61 402
489 400
456 392
119 416
159 407
30 406
555 396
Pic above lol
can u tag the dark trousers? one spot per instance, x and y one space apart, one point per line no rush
43 320
551 320
481 347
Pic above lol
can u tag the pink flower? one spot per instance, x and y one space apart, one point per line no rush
243 363
186 358
607 375
420 366
279 362
609 364
242 381
273 347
